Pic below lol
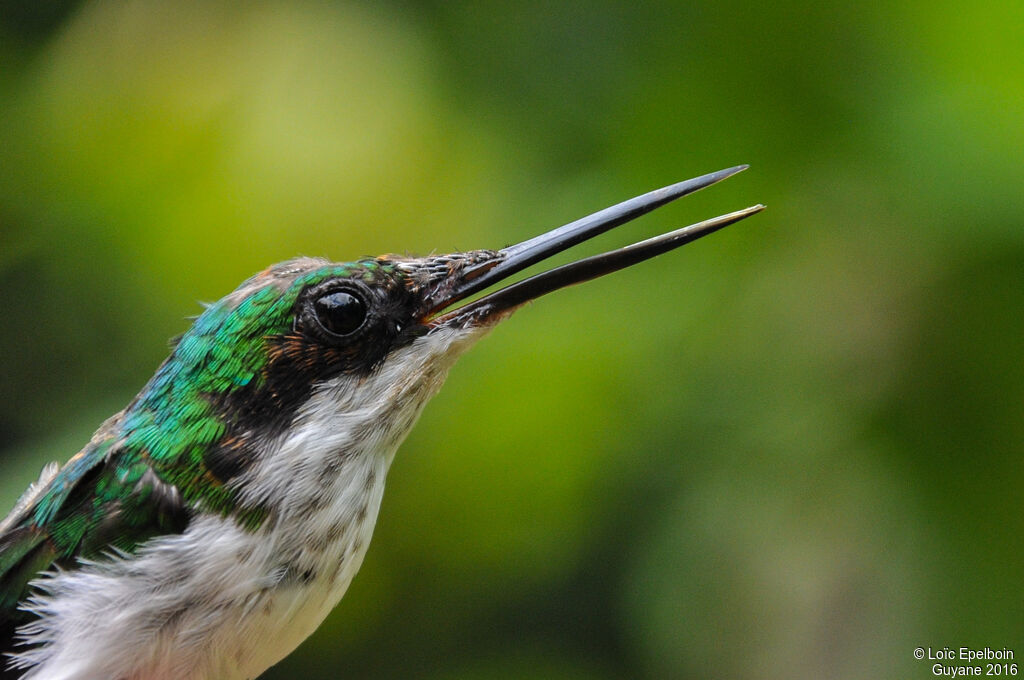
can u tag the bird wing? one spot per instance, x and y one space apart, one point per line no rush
103 500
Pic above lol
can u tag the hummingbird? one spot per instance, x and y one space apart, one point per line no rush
208 528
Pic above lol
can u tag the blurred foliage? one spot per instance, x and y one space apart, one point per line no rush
792 450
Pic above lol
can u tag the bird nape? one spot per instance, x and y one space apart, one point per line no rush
208 528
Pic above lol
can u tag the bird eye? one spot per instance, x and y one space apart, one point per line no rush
340 312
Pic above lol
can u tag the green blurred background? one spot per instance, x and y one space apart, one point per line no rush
793 450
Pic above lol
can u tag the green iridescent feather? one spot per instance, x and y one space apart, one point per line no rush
103 499
116 493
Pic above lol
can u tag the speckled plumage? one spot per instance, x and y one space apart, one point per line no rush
239 460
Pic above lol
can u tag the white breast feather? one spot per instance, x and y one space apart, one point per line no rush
220 603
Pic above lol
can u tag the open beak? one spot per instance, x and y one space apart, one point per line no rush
485 271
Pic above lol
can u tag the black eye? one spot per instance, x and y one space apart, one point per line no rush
340 313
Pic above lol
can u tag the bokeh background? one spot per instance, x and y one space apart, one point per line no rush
793 450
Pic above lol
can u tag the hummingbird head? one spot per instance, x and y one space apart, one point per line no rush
223 513
311 363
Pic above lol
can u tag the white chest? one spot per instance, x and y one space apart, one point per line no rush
219 602
216 602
